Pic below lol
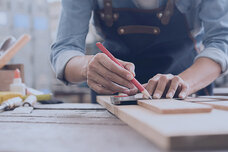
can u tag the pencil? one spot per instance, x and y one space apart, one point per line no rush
134 81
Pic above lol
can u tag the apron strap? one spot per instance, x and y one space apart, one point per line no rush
108 13
168 12
138 29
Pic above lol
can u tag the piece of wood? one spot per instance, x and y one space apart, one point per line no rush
51 137
8 54
69 106
175 132
199 99
220 91
222 105
171 106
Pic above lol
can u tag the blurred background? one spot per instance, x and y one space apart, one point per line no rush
39 18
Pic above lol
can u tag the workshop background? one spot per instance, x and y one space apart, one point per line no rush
39 18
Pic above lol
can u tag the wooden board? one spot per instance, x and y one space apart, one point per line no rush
69 131
171 106
175 132
220 91
8 54
223 105
69 106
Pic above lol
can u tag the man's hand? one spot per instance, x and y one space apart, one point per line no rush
167 85
106 77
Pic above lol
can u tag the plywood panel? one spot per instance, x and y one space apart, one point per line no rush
170 106
179 131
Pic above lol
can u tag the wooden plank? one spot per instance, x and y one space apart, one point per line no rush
221 91
8 54
44 137
69 106
175 132
191 99
61 114
62 117
222 105
171 106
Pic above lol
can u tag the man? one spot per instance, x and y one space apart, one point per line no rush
177 47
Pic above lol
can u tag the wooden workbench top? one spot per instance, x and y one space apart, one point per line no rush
86 127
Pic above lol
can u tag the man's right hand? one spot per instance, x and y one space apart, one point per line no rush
104 76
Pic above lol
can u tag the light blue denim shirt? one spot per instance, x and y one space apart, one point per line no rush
207 19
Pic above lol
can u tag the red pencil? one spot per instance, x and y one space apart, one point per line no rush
134 81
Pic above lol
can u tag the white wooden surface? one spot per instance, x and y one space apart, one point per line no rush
93 130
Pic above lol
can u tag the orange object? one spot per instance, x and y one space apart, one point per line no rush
134 81
17 74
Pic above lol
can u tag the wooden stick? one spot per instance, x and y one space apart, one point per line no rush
6 57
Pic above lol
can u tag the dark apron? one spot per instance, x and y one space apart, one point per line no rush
156 41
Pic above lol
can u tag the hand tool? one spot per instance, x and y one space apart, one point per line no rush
134 81
10 104
125 99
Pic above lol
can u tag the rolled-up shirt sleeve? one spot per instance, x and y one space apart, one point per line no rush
72 31
214 17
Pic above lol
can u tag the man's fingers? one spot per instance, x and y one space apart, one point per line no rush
152 84
109 75
96 77
184 91
112 66
161 85
98 88
173 87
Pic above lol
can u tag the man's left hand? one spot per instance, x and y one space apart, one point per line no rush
167 85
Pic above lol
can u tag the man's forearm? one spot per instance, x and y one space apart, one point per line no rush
203 72
76 68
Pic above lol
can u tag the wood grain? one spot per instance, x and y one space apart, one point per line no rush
175 132
171 106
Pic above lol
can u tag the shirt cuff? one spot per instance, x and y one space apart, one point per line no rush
216 55
61 62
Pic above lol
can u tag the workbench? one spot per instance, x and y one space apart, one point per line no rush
69 127
76 127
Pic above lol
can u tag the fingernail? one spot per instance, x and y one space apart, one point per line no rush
170 95
133 74
126 91
130 77
182 95
156 96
